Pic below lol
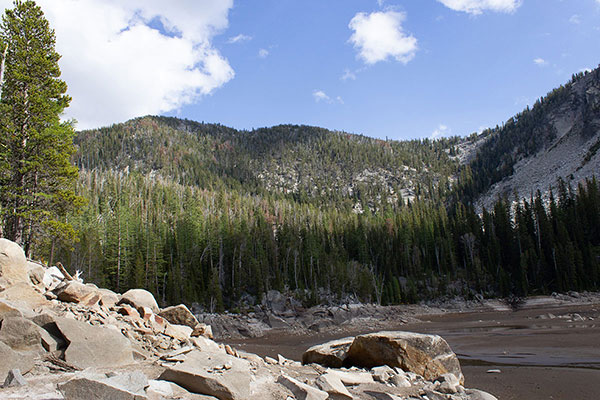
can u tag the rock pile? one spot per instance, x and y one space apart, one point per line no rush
278 312
63 339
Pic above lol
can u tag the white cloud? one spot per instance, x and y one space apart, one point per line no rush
379 36
123 59
476 7
575 19
348 75
263 53
239 38
321 96
440 131
540 61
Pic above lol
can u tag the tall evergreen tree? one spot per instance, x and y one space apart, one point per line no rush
37 177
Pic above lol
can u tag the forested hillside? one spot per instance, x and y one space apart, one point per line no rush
558 137
203 213
306 163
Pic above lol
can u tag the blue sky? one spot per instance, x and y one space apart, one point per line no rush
470 71
399 69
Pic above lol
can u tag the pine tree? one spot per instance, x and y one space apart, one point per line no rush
36 178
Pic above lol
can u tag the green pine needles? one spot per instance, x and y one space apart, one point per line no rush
36 174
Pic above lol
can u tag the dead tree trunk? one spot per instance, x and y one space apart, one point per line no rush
2 64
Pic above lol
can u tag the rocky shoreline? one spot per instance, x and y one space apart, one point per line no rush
63 339
279 313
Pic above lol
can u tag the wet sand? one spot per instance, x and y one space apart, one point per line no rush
543 352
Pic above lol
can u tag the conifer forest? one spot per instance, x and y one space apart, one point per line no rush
178 208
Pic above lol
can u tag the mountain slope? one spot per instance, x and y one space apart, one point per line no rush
558 138
305 163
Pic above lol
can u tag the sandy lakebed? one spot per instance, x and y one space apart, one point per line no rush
547 349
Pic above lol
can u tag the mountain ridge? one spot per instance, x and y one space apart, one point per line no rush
205 213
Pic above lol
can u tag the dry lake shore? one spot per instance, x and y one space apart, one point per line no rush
547 349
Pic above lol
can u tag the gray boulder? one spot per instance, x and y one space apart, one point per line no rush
302 391
14 378
139 298
332 384
427 355
13 263
21 334
108 297
331 354
85 386
448 384
11 359
213 374
275 301
92 346
179 315
383 373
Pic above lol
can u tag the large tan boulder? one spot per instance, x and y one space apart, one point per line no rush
24 295
139 298
179 315
331 354
427 355
75 292
13 263
93 346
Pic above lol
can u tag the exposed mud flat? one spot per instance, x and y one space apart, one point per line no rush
548 349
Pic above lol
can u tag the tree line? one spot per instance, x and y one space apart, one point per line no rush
220 248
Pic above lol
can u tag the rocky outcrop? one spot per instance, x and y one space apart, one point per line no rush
427 355
51 325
